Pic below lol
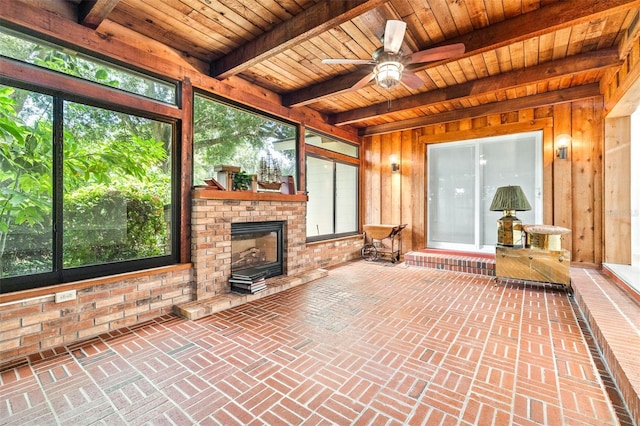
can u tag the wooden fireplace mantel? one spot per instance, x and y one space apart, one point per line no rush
214 194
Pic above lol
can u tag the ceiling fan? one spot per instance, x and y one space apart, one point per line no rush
390 61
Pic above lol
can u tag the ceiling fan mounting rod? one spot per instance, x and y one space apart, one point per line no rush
379 56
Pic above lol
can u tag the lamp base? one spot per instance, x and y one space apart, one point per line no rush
510 231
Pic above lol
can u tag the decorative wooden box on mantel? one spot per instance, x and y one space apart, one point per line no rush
542 260
224 175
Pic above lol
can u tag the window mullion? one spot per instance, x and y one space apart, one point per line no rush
57 170
478 186
335 197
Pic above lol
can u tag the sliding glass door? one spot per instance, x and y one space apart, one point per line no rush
462 180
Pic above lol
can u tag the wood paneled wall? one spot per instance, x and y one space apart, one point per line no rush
617 190
621 88
572 188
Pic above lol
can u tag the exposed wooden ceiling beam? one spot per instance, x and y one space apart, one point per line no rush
91 13
591 61
630 35
545 20
328 88
534 101
313 21
542 21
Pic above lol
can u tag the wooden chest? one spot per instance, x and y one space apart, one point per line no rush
550 266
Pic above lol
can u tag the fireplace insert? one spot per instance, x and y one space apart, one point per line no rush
257 245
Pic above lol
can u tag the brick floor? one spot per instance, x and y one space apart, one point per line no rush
371 343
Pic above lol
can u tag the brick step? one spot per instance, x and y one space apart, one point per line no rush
201 308
471 263
613 316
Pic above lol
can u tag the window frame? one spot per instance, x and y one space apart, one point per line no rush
69 88
334 157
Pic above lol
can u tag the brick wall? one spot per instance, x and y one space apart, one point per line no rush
35 324
326 254
31 321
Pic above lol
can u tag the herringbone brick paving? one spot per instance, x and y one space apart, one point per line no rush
371 343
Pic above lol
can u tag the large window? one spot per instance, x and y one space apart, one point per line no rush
70 62
87 188
332 185
116 186
26 183
224 134
463 178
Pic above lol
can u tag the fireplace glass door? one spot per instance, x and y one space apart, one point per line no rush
257 245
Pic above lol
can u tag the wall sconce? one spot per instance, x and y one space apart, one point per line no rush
563 143
561 152
395 165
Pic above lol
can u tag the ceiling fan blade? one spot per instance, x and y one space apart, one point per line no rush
393 35
363 81
411 80
436 53
348 61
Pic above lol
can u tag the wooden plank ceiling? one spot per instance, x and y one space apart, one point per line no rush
527 51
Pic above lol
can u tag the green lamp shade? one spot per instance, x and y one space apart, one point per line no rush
510 198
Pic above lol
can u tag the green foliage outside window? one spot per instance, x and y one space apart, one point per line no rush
225 135
116 185
113 225
116 176
25 185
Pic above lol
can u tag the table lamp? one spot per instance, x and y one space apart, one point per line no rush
510 199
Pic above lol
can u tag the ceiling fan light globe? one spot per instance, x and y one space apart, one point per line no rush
388 74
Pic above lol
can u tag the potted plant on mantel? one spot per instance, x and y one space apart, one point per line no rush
242 181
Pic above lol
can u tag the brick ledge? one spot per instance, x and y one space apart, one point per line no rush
197 309
472 264
612 316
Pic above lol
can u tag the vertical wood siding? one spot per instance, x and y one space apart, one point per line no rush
617 170
573 188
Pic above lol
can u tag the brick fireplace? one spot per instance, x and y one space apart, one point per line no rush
214 212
